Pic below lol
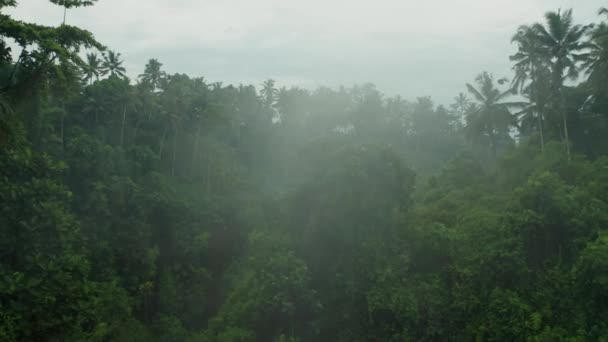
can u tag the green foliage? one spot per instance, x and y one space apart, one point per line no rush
73 3
270 294
177 210
45 292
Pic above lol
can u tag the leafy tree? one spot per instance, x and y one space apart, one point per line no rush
272 294
40 47
591 285
177 210
72 4
45 293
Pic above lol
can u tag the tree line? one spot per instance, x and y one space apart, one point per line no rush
171 208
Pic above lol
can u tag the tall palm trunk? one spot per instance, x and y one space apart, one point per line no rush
208 182
136 130
162 144
558 84
562 111
540 130
535 98
174 150
195 148
493 143
122 129
566 133
138 124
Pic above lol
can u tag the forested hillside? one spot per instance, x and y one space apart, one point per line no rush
168 208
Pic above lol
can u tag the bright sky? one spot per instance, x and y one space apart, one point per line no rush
407 47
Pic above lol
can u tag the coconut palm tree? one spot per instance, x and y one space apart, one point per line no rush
490 117
597 65
531 68
92 68
461 104
153 74
269 92
113 65
561 41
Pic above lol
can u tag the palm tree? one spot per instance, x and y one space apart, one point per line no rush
216 86
530 65
92 68
461 104
153 74
269 96
490 117
597 65
269 92
113 65
71 4
561 42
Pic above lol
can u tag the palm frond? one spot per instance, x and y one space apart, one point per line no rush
476 94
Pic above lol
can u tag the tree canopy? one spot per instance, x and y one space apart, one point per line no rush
162 207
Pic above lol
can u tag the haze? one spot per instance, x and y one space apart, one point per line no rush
419 171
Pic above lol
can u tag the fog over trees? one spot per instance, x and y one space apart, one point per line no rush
169 208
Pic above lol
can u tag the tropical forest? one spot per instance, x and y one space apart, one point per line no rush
165 207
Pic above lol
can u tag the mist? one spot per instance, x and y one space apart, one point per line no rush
303 171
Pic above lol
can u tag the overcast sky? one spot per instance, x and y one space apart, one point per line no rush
407 47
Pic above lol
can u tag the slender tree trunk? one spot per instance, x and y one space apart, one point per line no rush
540 130
10 78
138 125
162 144
122 129
559 71
562 109
567 138
65 10
534 98
195 148
493 144
208 176
61 131
174 151
238 133
62 126
136 130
